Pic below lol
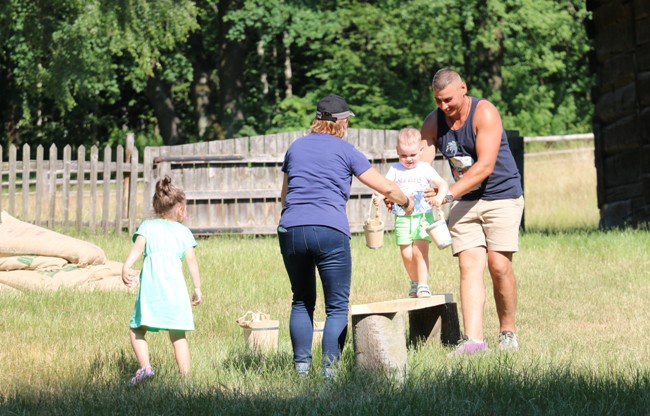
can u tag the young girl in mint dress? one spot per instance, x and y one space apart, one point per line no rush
163 302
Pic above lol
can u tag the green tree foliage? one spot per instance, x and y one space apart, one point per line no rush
174 71
74 69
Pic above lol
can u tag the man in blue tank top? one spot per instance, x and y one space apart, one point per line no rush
486 204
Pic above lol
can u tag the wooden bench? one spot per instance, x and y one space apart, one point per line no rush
379 330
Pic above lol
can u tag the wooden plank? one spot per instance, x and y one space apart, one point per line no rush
106 181
149 174
25 182
67 163
12 179
238 195
119 190
52 187
40 180
353 137
133 191
401 305
128 151
94 160
201 178
81 159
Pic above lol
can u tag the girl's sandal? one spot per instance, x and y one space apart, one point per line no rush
423 291
413 291
141 375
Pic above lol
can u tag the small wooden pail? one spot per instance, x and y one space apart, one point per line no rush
373 228
260 331
319 326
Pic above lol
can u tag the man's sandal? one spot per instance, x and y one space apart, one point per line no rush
413 291
423 291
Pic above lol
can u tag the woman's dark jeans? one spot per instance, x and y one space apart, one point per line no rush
304 249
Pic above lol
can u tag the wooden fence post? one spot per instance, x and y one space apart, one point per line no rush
40 176
133 191
81 160
52 186
130 144
67 164
12 178
94 160
106 180
516 143
119 188
25 179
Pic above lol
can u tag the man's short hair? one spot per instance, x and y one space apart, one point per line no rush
445 77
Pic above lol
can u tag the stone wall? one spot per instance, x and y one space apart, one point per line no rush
620 30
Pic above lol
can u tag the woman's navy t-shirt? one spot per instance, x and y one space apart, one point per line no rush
320 169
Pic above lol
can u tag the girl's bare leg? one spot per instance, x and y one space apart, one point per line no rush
140 346
181 351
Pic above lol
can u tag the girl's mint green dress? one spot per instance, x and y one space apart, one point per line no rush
163 300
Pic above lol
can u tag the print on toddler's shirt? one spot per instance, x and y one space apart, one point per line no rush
420 205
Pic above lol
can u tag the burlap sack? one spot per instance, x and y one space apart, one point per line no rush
97 277
21 238
30 263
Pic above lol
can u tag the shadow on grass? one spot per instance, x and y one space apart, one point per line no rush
475 386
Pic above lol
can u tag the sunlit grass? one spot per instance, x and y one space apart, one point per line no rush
582 323
560 191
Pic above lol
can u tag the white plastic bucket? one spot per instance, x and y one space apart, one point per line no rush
439 232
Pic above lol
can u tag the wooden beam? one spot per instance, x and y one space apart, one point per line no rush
399 305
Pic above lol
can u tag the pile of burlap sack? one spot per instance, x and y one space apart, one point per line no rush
35 258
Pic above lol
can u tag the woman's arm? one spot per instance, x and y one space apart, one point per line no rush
285 186
375 180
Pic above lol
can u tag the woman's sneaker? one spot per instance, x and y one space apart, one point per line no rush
302 369
468 346
508 341
141 375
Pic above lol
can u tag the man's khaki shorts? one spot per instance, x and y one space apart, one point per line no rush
493 224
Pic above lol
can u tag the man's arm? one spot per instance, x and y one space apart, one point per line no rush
429 132
488 128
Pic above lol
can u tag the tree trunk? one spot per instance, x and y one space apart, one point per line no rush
9 108
288 74
264 76
159 96
231 67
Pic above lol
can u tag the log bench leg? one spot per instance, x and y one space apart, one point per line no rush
438 323
380 344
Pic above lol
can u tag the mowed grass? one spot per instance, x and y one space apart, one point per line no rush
582 323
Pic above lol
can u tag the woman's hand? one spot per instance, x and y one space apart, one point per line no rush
411 205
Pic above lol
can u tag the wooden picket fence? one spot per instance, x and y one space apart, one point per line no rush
64 192
232 186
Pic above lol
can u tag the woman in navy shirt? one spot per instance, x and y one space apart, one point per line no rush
314 231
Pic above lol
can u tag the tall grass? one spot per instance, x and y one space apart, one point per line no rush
582 324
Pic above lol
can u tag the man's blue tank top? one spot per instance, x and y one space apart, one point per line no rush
459 147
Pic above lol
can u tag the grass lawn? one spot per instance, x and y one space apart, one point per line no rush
582 322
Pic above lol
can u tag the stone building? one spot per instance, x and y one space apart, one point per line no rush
620 31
